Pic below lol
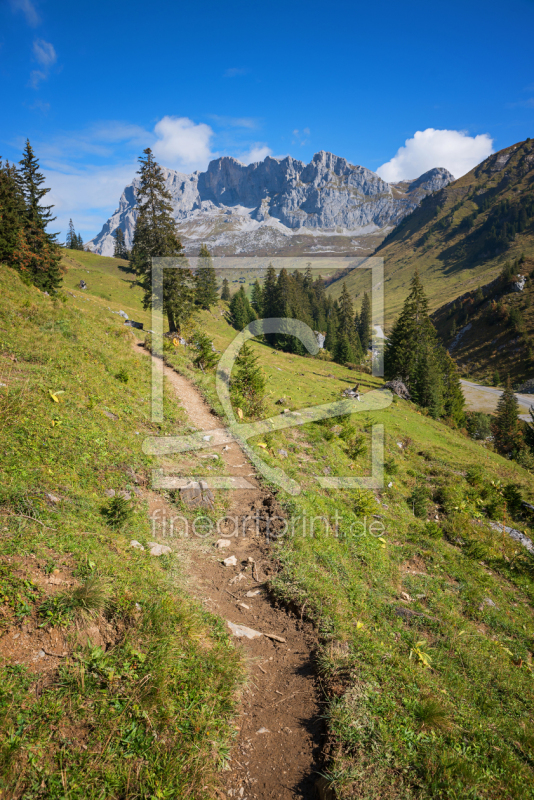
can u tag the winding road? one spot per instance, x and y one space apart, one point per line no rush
485 398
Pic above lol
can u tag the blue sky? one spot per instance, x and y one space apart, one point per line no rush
92 84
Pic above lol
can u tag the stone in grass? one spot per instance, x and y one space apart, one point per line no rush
220 544
241 631
136 544
197 493
158 549
282 453
110 492
52 498
231 561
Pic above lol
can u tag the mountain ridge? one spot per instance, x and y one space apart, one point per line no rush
275 204
460 236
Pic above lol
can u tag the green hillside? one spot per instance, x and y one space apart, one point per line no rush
110 675
460 237
427 623
491 330
425 620
110 280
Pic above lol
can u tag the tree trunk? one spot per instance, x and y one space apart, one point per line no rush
170 318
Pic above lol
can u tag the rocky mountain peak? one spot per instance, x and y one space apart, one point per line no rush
231 205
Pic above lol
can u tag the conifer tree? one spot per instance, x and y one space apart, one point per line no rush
155 237
412 353
270 300
225 293
119 250
331 332
364 323
71 240
505 427
348 347
248 384
269 293
11 214
80 242
241 312
206 294
42 257
256 300
453 396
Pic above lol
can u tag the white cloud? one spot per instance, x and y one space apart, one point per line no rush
36 76
88 195
256 152
28 9
88 169
301 137
44 52
182 144
454 150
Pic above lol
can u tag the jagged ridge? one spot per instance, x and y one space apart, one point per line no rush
231 204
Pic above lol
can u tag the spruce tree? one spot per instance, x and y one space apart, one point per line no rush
11 214
364 322
225 293
412 353
119 250
248 384
241 312
155 237
71 240
80 242
331 332
348 346
505 428
270 300
256 300
206 293
43 263
453 396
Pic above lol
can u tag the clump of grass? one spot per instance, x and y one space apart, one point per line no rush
117 512
85 601
431 715
122 375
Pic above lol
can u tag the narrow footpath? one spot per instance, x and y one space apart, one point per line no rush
277 751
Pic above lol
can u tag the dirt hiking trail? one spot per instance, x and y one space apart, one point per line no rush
277 752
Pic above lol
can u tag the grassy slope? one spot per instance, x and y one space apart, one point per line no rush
493 343
459 727
150 716
110 280
452 259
